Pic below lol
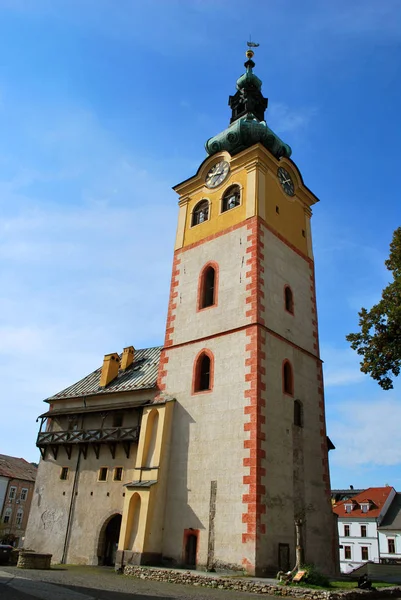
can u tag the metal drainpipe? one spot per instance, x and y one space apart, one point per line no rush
71 509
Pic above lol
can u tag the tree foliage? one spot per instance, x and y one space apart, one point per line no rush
379 338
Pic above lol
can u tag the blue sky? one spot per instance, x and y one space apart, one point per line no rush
105 105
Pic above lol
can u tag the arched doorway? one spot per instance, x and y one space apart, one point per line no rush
108 541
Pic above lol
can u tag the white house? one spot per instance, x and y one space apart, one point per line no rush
390 533
358 521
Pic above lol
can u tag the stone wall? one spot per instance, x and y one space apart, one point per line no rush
32 560
255 586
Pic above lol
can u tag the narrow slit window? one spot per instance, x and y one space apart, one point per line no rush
203 373
231 198
298 413
200 213
288 384
208 288
289 300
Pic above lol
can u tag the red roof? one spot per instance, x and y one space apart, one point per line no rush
17 468
376 497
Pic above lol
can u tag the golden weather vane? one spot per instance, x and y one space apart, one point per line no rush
249 53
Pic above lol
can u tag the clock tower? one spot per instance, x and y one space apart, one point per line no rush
248 455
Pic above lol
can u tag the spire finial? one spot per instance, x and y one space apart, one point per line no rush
249 53
247 123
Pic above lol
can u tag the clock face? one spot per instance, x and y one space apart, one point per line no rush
217 174
286 182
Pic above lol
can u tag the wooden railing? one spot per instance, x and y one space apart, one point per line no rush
88 436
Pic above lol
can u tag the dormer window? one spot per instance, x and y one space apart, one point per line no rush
348 508
365 507
200 213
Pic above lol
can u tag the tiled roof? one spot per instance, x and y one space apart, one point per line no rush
338 495
392 518
141 375
88 408
17 468
375 496
143 484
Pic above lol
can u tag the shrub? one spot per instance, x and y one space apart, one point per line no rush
314 577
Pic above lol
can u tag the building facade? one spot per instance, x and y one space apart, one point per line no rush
359 520
389 532
232 446
92 442
17 480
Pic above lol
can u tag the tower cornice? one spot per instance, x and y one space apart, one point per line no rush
257 156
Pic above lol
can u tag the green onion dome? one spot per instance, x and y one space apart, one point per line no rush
244 133
247 125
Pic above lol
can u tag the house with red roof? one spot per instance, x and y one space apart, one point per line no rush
359 518
17 481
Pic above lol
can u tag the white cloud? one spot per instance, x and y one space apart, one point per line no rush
341 366
366 433
85 248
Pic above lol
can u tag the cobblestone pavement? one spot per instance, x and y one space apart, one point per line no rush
98 583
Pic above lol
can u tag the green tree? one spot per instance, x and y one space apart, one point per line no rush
379 339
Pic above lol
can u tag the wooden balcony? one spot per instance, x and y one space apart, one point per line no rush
84 438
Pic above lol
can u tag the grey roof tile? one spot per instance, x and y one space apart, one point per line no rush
143 484
17 468
141 375
392 518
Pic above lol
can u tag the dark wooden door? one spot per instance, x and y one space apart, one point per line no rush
284 557
190 550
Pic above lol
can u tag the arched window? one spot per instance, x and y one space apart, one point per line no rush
200 213
298 414
288 383
207 290
203 373
150 439
131 532
231 198
288 299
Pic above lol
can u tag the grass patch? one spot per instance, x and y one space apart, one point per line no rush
337 585
347 585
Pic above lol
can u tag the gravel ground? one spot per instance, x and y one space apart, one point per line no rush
104 584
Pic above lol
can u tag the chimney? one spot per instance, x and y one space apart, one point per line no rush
111 364
127 358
